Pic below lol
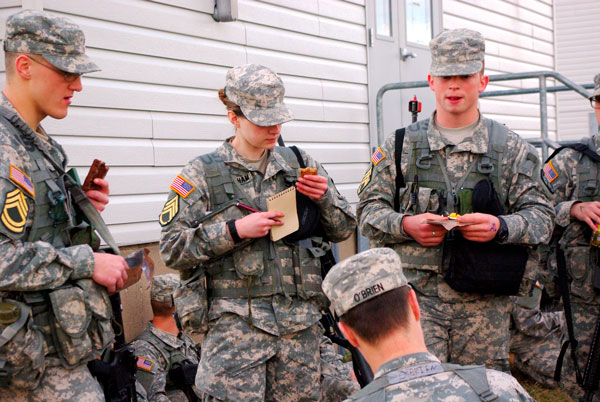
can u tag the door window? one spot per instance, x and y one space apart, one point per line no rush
418 21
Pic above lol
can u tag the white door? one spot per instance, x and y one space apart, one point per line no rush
399 32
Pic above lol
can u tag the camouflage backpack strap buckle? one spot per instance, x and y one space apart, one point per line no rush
424 160
485 165
591 187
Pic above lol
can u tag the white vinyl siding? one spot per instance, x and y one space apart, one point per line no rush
154 105
577 58
519 38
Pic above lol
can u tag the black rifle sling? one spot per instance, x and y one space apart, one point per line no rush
563 283
399 176
591 374
584 149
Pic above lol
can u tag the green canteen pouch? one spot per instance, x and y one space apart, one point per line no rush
191 304
21 351
70 320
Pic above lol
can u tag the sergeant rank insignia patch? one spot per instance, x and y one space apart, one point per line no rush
169 211
181 186
14 212
366 180
144 364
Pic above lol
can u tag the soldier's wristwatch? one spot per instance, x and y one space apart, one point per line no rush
502 233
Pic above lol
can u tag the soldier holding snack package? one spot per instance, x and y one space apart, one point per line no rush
53 288
459 161
258 301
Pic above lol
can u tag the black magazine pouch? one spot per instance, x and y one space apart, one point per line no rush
484 267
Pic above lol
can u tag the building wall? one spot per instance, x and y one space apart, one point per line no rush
578 58
154 105
519 37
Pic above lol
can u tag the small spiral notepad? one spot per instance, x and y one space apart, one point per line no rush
285 202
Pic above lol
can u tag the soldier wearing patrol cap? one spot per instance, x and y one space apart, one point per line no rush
571 175
165 356
261 306
458 161
380 315
56 315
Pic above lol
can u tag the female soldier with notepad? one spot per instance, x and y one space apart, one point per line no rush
264 297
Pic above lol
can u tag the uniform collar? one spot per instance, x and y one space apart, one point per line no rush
405 361
477 144
168 338
275 164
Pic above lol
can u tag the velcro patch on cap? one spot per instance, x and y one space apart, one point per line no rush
549 172
181 186
20 178
377 156
144 364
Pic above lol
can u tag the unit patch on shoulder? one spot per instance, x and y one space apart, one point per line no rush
20 178
366 180
144 364
14 211
169 211
181 186
378 156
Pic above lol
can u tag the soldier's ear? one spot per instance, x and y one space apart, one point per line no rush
414 305
349 334
23 66
233 118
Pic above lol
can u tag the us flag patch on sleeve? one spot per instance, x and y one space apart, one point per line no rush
20 178
378 156
181 186
144 364
549 172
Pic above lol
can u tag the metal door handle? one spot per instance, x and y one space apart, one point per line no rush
406 54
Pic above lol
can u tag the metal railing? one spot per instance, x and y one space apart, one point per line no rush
543 90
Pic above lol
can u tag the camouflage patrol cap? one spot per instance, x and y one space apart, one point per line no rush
457 52
363 276
258 91
163 287
596 86
57 39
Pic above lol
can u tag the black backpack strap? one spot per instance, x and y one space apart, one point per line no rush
298 156
583 148
563 283
399 176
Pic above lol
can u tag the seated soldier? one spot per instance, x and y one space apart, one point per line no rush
166 357
379 314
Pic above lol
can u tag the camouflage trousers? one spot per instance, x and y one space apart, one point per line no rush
59 384
474 332
240 362
336 380
535 341
584 322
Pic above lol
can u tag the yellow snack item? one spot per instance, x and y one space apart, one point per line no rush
453 215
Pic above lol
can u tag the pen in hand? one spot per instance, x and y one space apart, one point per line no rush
246 207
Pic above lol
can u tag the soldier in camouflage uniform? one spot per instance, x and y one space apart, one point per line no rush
264 297
572 178
379 314
536 338
50 287
162 346
442 159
